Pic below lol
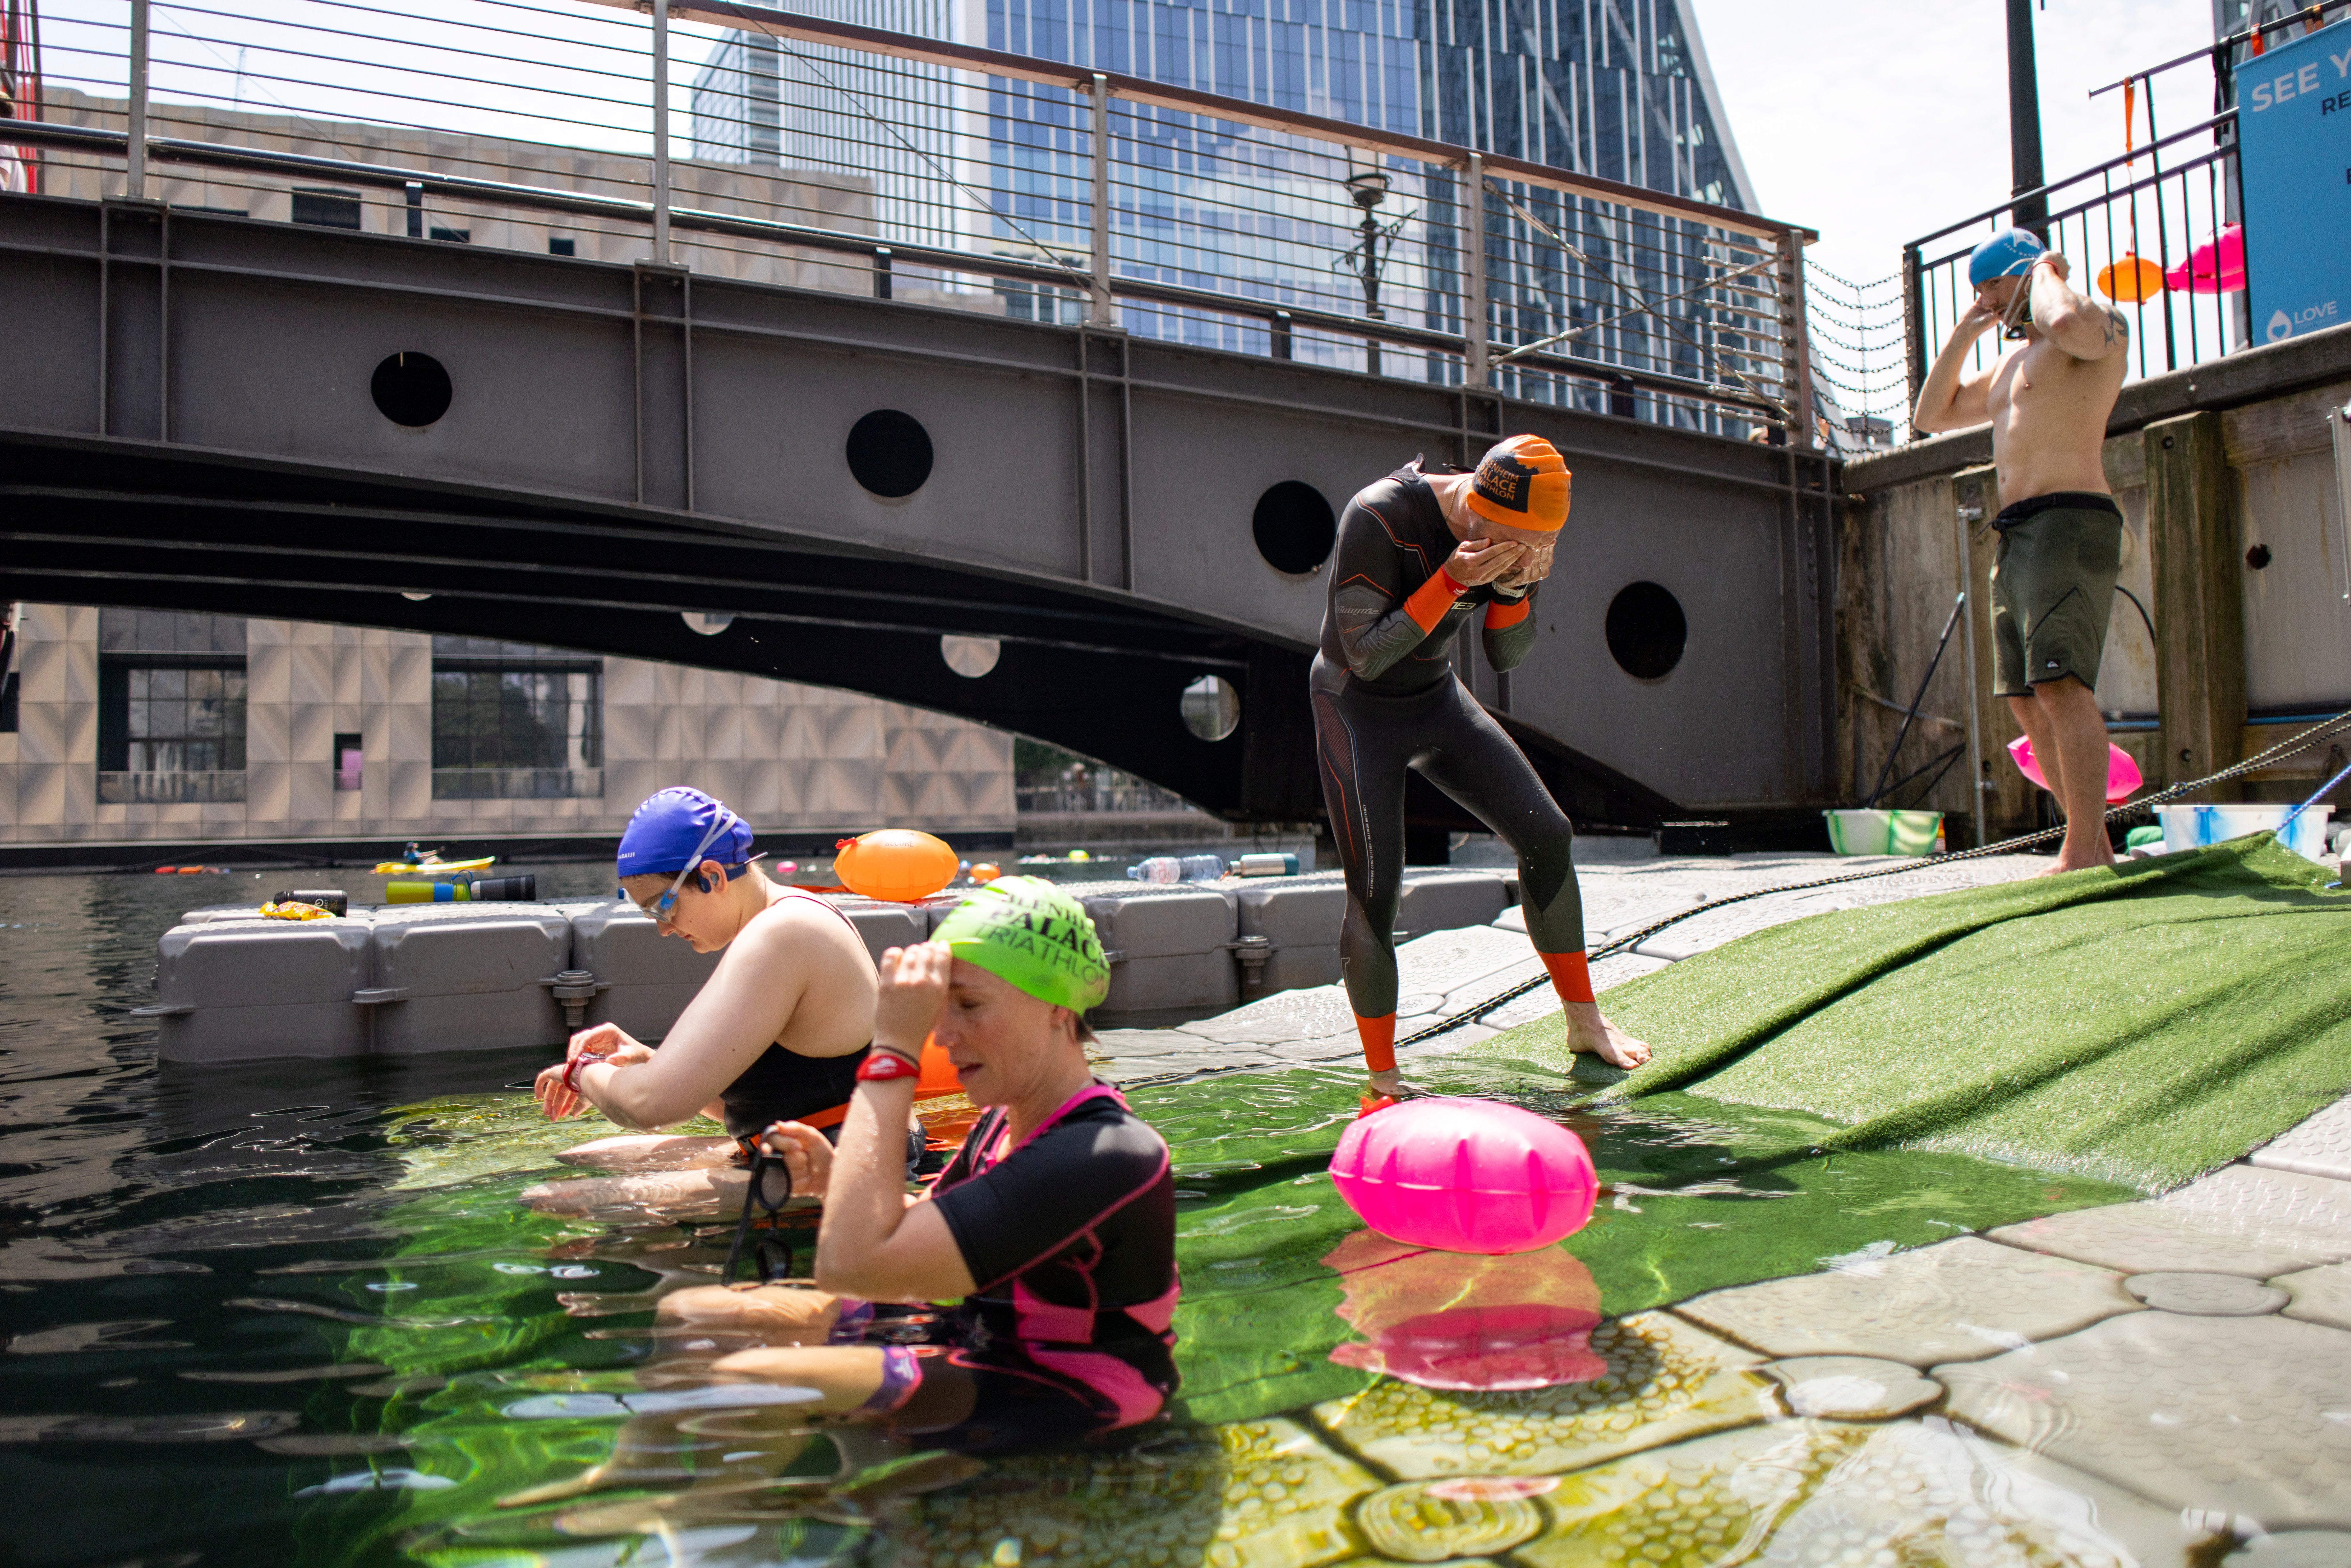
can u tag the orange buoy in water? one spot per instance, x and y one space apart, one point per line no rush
938 1074
987 871
899 866
2130 279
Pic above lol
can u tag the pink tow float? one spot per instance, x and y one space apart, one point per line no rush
1465 1175
2123 778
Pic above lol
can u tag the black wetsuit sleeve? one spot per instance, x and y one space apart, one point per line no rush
1072 1178
1373 579
1510 631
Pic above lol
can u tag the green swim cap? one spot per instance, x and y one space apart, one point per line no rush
1026 931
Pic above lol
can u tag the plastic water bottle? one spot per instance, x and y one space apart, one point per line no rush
1203 868
1158 868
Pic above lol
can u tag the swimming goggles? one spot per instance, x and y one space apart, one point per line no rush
763 1205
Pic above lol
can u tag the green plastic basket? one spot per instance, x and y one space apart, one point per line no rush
1883 833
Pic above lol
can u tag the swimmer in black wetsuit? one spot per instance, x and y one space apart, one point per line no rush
1052 1233
776 1034
1418 554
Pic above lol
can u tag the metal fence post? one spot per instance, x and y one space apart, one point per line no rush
661 132
1473 309
134 180
1914 321
1796 342
1105 309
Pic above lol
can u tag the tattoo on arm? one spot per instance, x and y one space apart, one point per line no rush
2117 328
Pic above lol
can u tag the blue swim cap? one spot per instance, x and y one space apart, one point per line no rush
680 827
2004 254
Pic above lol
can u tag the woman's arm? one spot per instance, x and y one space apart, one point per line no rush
871 1243
742 1009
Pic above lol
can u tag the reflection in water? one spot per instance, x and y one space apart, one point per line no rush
1457 1320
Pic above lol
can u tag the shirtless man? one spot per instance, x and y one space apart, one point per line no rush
2060 533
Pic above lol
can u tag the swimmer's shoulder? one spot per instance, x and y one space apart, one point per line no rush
1394 498
1108 1131
801 924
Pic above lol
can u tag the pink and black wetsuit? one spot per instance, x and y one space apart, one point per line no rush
1071 1239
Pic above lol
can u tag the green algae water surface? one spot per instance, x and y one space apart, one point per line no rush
298 1312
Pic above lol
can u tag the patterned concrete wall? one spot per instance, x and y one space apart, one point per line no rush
787 757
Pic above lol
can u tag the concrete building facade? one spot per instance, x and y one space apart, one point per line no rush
122 728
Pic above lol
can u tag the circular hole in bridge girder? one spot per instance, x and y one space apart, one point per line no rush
1647 630
411 389
890 452
1212 708
1294 528
702 622
971 657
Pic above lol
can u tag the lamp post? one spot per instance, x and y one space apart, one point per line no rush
1369 187
2024 121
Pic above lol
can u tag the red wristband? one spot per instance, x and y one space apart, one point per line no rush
572 1068
881 1065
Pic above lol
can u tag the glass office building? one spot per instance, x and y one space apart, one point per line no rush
1614 89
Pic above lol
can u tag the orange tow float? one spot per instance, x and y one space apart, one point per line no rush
896 865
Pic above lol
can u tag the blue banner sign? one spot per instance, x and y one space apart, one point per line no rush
2293 136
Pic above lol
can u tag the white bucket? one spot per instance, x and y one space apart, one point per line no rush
2192 827
1856 832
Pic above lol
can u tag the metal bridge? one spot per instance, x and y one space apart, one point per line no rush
1128 491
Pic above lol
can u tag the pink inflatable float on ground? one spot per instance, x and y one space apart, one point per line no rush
1465 1175
2123 778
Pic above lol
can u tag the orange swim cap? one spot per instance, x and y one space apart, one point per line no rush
1522 483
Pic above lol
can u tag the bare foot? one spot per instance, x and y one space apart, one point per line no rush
2089 857
1591 1034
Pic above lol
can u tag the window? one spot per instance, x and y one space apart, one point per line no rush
348 759
326 209
456 237
511 721
8 669
170 706
562 245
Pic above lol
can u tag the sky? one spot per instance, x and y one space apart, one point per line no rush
1877 123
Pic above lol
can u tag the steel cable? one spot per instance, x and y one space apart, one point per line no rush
2324 730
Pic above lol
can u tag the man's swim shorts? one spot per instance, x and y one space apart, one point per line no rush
2052 589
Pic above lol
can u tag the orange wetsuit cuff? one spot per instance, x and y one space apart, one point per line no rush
1504 613
1431 600
1571 976
1378 1036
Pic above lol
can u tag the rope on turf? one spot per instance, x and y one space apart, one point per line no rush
2324 730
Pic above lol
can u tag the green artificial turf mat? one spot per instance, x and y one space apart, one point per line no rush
2141 1024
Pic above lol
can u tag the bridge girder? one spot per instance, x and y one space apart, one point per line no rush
625 443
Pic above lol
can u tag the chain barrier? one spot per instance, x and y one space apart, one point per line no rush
2324 730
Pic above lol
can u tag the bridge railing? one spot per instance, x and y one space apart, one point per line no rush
2154 231
745 141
